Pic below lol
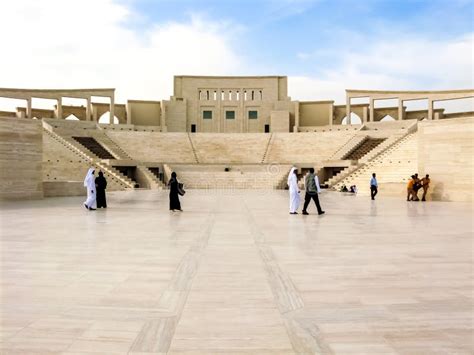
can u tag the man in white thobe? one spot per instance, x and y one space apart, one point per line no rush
294 191
89 183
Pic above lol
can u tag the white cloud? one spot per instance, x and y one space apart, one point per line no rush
399 64
91 43
88 43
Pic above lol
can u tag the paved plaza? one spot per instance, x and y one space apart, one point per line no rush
235 273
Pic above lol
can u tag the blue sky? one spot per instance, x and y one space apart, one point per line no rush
324 47
303 37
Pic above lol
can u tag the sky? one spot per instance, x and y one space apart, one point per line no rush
324 47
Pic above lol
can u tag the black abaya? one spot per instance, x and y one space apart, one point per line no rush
101 185
174 196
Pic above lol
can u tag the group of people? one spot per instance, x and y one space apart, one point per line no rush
312 189
96 187
352 189
95 190
415 184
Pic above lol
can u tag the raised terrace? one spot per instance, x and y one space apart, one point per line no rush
230 132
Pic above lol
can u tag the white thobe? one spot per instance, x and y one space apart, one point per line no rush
91 194
294 195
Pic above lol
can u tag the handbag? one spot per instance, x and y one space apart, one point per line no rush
181 191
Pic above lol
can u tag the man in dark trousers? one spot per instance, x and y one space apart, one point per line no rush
373 187
311 183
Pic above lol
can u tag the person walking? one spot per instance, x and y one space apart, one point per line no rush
89 183
410 184
294 190
312 188
373 186
101 185
425 184
174 193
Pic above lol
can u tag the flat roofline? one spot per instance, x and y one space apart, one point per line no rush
317 102
409 91
145 101
55 90
231 77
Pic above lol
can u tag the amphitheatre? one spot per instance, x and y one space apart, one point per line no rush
235 273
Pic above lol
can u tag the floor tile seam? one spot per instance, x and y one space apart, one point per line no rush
296 340
201 243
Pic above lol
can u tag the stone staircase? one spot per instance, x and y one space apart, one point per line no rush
94 147
373 153
153 180
111 146
364 147
267 148
238 177
341 175
193 148
350 145
93 160
393 166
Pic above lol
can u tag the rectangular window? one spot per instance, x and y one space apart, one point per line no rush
207 115
253 115
230 115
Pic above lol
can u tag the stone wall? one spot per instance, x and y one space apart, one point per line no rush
144 113
446 151
220 95
20 159
316 113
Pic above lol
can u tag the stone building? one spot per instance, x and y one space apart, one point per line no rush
224 104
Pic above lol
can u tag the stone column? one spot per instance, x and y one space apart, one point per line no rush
163 116
430 109
112 110
296 127
29 110
348 110
371 109
400 109
95 114
331 113
88 108
245 119
60 108
129 114
364 114
220 114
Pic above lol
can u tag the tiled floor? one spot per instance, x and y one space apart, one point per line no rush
235 273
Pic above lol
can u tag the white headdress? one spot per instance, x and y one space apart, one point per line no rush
292 171
89 176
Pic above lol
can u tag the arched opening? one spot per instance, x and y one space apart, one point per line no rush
71 117
355 119
387 118
105 118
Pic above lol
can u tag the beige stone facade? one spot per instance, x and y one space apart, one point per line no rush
244 130
229 104
21 151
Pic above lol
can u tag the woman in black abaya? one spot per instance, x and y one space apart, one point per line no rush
174 195
101 185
